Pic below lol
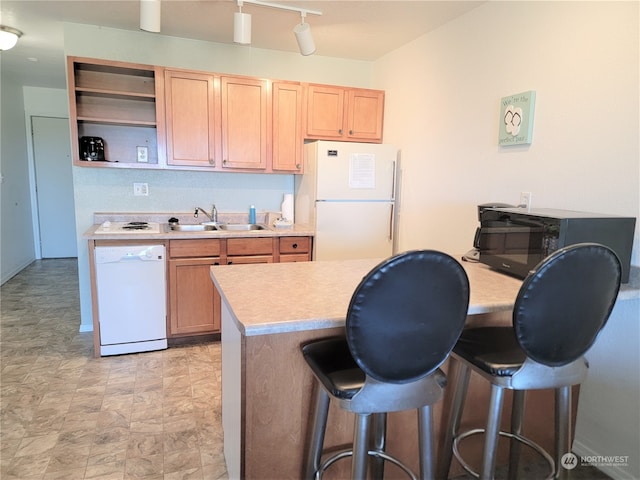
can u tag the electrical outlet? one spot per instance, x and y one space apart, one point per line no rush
143 154
525 200
141 189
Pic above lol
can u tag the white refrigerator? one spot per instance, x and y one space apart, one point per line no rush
348 192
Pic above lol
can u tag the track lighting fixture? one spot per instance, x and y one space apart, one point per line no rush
302 31
241 26
150 15
303 36
8 37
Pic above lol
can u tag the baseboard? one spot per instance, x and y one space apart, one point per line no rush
9 275
581 450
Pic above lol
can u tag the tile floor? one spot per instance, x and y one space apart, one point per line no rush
67 415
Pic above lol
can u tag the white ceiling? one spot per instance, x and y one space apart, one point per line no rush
362 30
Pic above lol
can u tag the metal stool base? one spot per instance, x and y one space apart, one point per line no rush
524 440
373 453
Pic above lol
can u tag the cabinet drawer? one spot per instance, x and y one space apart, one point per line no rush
206 247
250 246
240 260
295 244
295 257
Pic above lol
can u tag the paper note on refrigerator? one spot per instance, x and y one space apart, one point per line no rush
362 170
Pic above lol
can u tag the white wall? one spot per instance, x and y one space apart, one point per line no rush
105 190
442 108
155 49
443 96
16 233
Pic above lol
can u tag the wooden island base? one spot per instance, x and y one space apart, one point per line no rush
275 393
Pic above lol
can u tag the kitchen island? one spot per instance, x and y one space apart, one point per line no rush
268 311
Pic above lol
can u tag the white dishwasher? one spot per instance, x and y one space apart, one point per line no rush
132 306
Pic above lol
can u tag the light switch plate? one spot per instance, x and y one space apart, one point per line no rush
143 154
141 189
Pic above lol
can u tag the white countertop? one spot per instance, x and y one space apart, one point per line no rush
186 219
288 297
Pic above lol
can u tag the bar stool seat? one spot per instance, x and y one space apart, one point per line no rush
561 307
404 318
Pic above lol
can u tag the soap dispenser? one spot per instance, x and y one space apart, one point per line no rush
252 214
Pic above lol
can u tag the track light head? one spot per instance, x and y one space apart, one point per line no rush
241 26
150 15
303 35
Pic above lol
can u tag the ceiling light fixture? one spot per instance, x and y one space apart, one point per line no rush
302 30
8 37
150 15
241 26
303 35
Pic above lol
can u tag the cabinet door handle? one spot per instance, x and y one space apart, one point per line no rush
340 131
229 263
295 245
224 162
298 166
216 263
212 162
350 132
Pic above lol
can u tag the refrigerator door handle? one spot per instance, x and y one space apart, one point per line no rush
393 180
391 214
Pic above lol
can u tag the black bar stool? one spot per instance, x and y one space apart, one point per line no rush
403 320
560 309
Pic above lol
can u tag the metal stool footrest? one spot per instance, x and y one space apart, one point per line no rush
530 443
339 455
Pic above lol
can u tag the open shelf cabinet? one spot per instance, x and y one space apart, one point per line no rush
117 102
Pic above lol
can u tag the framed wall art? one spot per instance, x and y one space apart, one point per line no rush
516 118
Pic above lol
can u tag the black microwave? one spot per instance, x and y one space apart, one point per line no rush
515 240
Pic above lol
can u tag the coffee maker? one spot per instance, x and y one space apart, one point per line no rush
92 149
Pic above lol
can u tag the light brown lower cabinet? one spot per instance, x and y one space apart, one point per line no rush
194 302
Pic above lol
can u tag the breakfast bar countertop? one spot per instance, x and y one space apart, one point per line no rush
288 297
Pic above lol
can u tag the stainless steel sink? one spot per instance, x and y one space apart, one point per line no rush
242 226
193 228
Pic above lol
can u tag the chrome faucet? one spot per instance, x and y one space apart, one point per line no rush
213 216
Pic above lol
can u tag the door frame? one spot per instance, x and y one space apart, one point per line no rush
33 194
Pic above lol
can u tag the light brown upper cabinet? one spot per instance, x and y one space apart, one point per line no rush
152 117
192 119
287 127
245 123
346 114
116 101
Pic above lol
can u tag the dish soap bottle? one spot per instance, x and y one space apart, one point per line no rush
252 214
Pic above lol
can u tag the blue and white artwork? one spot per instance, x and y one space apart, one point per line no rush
516 119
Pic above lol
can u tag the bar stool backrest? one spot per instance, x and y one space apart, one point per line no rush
406 315
565 301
